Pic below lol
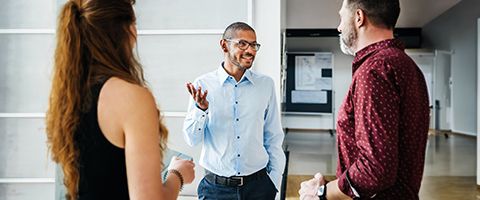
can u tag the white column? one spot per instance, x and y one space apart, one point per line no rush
478 103
267 24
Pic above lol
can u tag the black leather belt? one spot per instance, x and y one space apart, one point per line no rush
235 181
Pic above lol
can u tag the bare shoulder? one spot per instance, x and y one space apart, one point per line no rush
125 94
121 100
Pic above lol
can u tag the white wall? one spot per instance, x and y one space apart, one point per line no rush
455 30
267 22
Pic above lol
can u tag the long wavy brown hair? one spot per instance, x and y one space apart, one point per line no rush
95 41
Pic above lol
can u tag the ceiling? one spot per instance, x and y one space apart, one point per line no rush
324 13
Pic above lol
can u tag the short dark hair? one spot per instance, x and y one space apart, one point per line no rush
232 29
379 12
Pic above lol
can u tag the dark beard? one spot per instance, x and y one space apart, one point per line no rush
237 62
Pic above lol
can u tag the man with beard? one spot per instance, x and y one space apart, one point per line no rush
382 123
233 110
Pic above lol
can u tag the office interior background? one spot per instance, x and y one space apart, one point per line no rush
178 41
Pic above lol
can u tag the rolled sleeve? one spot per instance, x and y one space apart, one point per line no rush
346 187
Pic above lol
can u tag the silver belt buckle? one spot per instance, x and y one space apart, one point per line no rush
239 178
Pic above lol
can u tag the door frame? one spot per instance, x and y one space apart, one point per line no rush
478 102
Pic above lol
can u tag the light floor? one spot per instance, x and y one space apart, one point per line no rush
450 164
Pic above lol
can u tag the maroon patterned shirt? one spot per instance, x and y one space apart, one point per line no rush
383 125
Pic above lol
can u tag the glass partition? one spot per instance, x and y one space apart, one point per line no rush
206 14
171 60
26 63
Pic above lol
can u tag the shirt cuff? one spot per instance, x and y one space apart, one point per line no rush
201 117
344 184
198 113
198 107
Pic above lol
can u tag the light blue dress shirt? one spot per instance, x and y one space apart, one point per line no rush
240 130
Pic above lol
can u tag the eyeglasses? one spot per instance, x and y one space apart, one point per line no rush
243 45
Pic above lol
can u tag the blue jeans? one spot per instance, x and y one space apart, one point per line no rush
261 189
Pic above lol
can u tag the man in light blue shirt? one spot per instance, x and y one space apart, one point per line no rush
234 112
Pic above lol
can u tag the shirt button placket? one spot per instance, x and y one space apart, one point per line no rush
235 129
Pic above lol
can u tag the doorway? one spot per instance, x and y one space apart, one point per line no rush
443 91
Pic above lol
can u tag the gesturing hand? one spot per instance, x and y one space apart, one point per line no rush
199 96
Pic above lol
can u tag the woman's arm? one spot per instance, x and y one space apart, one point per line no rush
128 114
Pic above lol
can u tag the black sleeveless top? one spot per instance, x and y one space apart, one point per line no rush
102 167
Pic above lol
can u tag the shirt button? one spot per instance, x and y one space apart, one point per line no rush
237 119
238 137
235 85
203 115
236 102
238 155
199 129
238 173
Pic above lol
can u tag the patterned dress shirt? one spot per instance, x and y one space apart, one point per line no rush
383 125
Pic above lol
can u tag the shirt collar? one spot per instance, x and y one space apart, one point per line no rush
363 54
247 76
223 75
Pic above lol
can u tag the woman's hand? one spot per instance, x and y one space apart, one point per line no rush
185 167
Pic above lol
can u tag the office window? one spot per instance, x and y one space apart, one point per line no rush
27 14
26 191
26 51
23 151
182 14
171 60
25 72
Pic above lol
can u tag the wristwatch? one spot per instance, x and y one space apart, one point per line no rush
322 192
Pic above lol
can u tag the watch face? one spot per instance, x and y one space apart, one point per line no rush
321 190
